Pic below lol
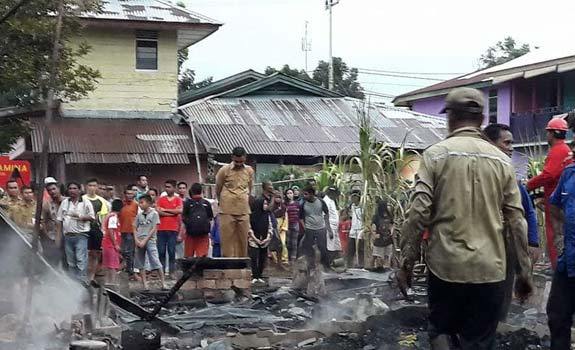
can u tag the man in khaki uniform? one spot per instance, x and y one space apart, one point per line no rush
11 201
24 213
233 187
465 191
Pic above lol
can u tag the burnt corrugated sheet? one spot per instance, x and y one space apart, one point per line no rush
304 126
117 140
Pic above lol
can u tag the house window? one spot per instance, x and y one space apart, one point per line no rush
146 54
492 106
146 49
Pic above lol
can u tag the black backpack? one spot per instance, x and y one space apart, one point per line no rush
197 220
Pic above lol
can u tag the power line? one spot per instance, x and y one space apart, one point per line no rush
390 84
410 73
400 76
380 94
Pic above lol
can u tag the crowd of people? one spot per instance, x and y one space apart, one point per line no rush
87 228
476 221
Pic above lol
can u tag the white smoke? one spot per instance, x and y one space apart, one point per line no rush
55 297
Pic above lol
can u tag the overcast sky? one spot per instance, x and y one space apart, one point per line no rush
412 36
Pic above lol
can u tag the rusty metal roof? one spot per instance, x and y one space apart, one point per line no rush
117 140
303 126
118 158
149 11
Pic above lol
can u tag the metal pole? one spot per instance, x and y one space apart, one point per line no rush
305 47
197 155
330 78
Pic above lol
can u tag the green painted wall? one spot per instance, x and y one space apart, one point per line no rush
122 87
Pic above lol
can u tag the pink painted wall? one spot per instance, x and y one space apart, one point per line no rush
430 106
433 105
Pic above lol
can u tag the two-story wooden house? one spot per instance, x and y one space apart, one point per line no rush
126 127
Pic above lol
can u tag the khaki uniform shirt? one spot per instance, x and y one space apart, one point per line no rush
235 187
466 188
23 215
11 205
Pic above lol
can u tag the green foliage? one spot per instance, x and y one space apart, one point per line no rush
332 175
286 172
187 77
380 168
25 58
345 78
292 72
11 129
503 51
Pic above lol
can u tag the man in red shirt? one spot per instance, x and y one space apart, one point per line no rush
170 209
548 179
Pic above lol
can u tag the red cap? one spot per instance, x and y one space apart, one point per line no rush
557 124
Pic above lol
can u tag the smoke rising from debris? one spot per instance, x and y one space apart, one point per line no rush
56 297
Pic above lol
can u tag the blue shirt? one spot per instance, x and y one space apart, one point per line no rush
564 198
530 216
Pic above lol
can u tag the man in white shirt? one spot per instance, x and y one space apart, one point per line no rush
356 232
333 243
75 216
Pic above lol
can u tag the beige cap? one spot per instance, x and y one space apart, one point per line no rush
464 99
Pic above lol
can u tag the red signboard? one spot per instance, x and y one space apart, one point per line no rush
7 171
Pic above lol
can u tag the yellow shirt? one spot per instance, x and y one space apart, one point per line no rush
235 184
466 188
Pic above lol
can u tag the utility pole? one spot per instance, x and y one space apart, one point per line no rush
305 45
328 5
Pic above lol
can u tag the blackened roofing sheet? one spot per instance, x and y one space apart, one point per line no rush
304 126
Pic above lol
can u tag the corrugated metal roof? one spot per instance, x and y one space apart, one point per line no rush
530 64
119 158
116 141
304 126
147 10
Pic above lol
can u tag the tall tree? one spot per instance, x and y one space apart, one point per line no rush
503 51
345 78
292 72
187 77
26 47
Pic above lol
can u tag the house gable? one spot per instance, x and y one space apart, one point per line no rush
280 84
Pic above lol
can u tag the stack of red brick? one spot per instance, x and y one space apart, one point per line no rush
214 283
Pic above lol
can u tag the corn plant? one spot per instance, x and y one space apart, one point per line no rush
380 168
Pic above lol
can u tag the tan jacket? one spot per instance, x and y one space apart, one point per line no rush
466 189
233 187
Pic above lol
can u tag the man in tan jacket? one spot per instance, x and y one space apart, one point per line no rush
234 182
465 191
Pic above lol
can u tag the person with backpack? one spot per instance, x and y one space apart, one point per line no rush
197 217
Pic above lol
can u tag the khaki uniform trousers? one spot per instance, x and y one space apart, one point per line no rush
234 235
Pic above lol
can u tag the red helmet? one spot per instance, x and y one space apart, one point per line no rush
557 124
